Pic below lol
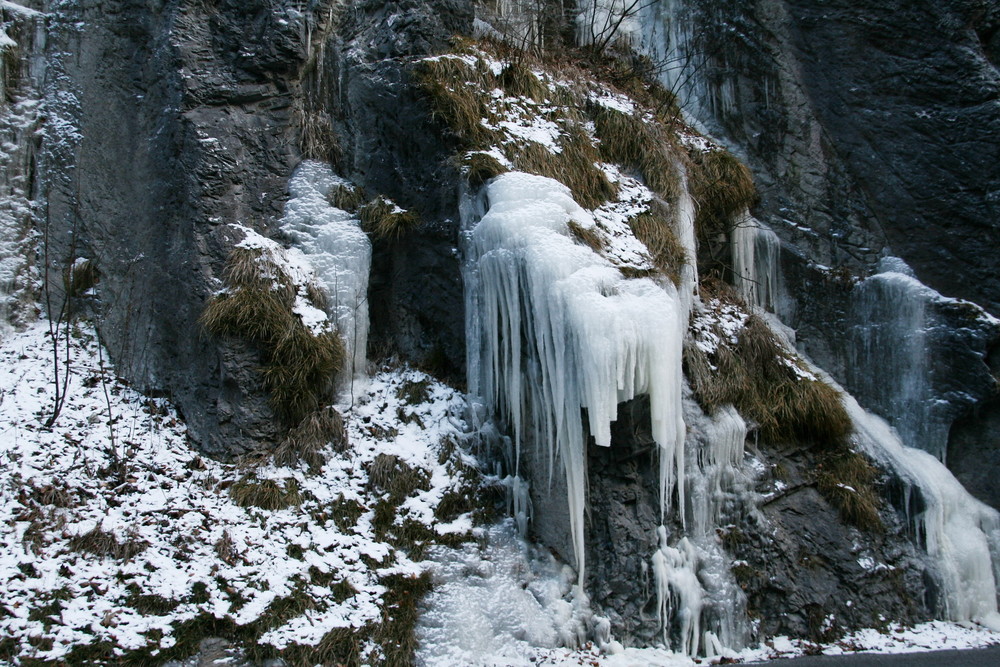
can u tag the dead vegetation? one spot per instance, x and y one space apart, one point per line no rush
385 221
299 365
305 443
722 186
267 494
104 544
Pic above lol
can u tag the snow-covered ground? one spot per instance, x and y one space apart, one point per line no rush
116 531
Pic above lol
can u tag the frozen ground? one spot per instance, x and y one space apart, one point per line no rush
115 531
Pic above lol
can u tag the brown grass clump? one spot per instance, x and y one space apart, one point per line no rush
847 480
385 221
756 377
104 544
633 142
481 168
655 230
298 365
722 186
588 236
517 79
348 197
400 612
457 92
574 167
391 474
306 441
80 277
266 494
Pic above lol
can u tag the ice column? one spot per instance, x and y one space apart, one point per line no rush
554 328
339 252
889 366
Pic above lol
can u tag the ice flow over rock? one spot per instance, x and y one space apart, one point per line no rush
554 327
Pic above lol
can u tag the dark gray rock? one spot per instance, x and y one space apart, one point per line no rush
871 130
182 121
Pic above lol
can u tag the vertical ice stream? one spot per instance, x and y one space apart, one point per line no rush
555 328
339 252
22 43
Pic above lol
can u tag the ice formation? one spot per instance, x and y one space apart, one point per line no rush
554 327
889 345
959 533
339 252
756 263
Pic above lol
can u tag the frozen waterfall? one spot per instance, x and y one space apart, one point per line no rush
555 328
339 252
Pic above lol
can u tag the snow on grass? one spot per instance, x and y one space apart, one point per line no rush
116 531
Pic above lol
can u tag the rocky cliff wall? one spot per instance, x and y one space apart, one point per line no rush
871 132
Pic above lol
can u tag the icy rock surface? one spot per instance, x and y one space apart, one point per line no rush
555 328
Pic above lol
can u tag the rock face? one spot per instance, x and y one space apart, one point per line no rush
870 130
181 119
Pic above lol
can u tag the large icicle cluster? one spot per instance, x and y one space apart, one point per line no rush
560 329
338 251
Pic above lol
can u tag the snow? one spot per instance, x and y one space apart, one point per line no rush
592 338
121 462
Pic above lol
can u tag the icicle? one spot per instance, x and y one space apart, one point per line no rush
338 251
756 263
562 317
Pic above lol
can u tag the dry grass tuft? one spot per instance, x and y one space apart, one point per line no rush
104 544
655 230
348 197
517 79
385 221
631 141
395 631
575 166
457 92
80 277
298 365
307 441
756 376
266 494
390 474
481 168
847 480
722 186
588 236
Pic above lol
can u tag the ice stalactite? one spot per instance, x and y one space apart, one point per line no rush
757 264
339 252
555 328
609 22
960 534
